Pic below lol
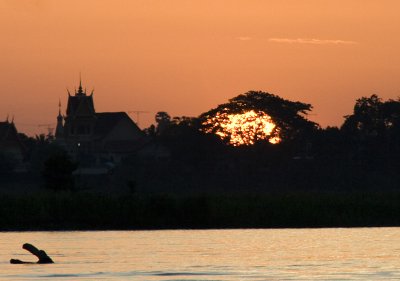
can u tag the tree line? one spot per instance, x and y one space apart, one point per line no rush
362 153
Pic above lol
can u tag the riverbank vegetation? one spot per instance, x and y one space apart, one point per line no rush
88 211
256 161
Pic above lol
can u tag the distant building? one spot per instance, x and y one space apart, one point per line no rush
93 137
11 146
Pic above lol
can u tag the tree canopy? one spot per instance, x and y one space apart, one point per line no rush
288 117
374 118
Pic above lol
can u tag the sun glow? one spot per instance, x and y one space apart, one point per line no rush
243 129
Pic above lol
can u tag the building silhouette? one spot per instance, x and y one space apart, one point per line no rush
10 144
94 138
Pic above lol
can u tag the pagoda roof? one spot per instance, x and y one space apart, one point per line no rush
9 136
80 104
106 121
7 131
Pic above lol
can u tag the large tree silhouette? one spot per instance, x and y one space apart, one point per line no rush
373 118
289 117
366 119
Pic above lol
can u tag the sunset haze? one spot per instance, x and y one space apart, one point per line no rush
186 57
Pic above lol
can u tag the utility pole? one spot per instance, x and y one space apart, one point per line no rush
137 112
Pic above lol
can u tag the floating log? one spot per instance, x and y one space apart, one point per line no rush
40 254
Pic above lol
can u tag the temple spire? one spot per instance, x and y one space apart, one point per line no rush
60 125
59 107
80 91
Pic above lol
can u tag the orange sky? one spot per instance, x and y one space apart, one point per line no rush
185 57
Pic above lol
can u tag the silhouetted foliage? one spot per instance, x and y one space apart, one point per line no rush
373 118
41 151
28 142
7 163
150 131
185 140
289 116
345 176
374 132
163 121
363 154
57 172
88 211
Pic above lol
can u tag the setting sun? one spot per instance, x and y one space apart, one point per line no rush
245 128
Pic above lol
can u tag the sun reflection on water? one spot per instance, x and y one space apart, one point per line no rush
226 255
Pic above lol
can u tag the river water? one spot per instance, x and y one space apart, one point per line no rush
255 254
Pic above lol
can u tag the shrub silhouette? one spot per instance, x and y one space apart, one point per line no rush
57 172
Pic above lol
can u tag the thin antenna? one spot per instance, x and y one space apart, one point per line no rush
59 106
138 112
49 128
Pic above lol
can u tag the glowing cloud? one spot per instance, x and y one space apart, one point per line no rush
311 41
243 38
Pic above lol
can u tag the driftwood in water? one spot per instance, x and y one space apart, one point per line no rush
40 254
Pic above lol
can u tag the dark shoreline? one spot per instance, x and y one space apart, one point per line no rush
70 211
189 229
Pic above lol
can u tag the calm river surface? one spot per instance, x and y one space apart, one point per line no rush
283 254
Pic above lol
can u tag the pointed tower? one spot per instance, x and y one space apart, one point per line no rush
80 91
60 125
80 116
